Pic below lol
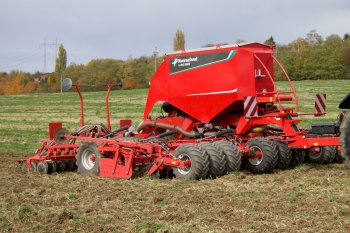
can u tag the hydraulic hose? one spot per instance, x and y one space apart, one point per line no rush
117 131
223 132
168 127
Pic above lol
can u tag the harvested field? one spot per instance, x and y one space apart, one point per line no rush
309 198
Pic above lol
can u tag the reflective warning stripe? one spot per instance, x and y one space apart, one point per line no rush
250 106
320 103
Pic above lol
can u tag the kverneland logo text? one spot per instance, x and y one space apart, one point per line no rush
187 60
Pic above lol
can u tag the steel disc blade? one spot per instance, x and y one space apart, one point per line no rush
60 136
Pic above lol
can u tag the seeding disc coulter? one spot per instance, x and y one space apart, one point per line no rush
223 113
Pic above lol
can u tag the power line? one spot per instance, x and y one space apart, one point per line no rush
14 58
48 44
27 58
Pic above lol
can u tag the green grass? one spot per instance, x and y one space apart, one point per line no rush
24 118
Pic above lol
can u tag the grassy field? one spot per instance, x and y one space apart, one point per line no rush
308 198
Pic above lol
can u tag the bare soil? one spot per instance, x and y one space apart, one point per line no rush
308 198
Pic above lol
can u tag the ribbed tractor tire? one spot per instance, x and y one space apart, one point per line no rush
88 159
345 137
330 153
232 155
324 156
338 157
199 163
298 157
269 158
217 160
284 155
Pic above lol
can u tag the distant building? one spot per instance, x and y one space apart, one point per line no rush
41 79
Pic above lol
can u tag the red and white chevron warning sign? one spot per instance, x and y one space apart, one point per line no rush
320 103
250 106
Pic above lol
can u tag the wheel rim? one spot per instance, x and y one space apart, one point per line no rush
187 161
257 156
315 154
88 159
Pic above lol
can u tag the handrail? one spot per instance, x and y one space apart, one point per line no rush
289 81
270 76
268 73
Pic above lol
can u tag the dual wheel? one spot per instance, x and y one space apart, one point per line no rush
266 155
212 160
270 154
207 160
326 155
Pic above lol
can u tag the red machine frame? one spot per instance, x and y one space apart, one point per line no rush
253 101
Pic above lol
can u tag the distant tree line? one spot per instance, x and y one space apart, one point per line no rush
95 75
311 57
314 57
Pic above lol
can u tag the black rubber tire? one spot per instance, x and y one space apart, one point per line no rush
217 160
345 137
199 163
284 155
34 166
325 156
232 155
269 156
298 157
330 153
42 167
85 164
338 157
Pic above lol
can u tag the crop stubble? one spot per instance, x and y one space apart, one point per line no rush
308 198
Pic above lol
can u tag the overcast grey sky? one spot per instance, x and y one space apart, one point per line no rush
118 28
